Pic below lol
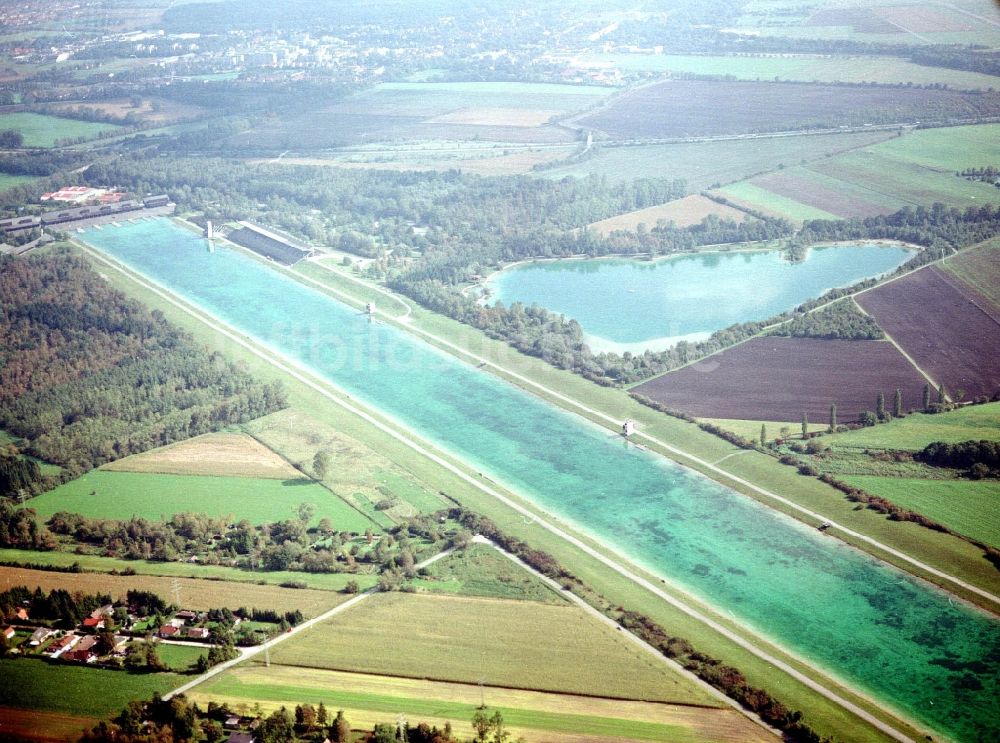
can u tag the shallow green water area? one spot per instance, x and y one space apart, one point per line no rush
620 302
885 632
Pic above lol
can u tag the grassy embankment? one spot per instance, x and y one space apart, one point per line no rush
822 714
40 130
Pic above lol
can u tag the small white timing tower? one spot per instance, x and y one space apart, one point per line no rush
628 427
209 230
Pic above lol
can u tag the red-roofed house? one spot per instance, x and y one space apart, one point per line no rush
8 632
94 623
22 614
167 630
63 644
198 633
82 652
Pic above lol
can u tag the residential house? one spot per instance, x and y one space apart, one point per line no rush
8 633
186 616
233 721
63 645
93 623
22 614
167 631
240 736
83 652
198 633
39 636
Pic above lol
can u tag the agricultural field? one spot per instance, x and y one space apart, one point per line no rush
709 164
516 644
480 570
193 593
70 689
751 429
917 168
9 181
779 379
693 108
915 431
120 495
936 321
883 21
44 131
560 718
358 474
969 507
42 726
211 455
979 267
682 212
807 68
149 110
393 112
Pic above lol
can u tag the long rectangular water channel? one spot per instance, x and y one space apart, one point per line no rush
881 630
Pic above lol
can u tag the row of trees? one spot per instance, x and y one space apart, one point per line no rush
58 607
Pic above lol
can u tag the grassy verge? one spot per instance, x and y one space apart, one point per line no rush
822 714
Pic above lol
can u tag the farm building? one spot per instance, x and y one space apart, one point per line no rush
269 244
39 636
63 645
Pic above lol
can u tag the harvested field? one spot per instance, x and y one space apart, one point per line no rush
942 324
558 718
682 212
158 110
687 108
861 20
42 726
194 593
813 193
496 117
514 644
778 379
215 454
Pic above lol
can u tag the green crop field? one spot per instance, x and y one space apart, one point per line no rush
918 168
480 570
9 181
179 658
705 164
506 643
747 194
119 495
367 700
979 267
797 67
916 431
36 684
44 131
969 507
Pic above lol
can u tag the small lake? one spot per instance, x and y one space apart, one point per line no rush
630 305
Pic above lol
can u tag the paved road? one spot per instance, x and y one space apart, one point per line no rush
299 372
247 653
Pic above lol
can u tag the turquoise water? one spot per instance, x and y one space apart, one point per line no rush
621 303
882 630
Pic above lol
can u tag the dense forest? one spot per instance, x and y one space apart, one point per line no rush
88 375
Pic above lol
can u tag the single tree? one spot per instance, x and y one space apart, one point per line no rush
880 407
833 418
805 426
763 435
927 398
340 731
321 717
481 724
321 464
500 734
941 395
897 404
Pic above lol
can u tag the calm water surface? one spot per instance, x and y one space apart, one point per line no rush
887 633
628 305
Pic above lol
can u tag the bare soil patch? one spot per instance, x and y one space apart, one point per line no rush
779 379
684 212
41 726
938 321
919 19
215 454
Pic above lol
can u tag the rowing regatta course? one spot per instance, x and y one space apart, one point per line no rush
884 632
